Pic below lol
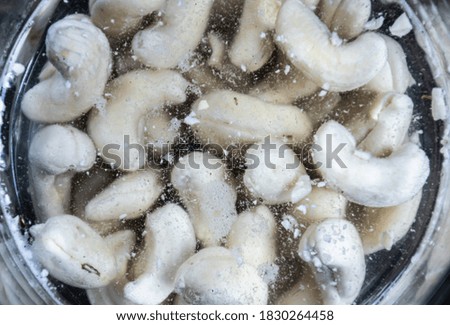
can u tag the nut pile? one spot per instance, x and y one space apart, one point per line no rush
292 112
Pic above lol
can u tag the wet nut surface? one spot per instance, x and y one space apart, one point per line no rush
221 152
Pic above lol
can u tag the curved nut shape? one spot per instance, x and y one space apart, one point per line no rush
346 17
214 277
233 118
275 174
128 197
392 124
172 43
122 243
368 180
55 154
253 237
119 17
133 96
201 182
322 203
334 250
395 75
81 64
170 241
307 42
74 253
253 46
382 228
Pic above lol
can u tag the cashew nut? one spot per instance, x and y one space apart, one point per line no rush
201 182
382 228
322 203
74 253
395 75
253 237
334 250
56 153
170 241
274 173
253 46
170 44
382 182
391 129
346 17
80 60
134 96
128 197
231 117
119 17
214 277
307 42
122 243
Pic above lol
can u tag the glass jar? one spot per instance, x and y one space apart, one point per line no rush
408 274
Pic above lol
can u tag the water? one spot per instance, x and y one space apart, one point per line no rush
383 267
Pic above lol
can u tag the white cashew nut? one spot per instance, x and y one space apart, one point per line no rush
128 197
275 174
201 182
322 203
334 250
134 96
253 237
56 153
395 75
170 241
81 64
227 117
253 46
382 228
119 17
308 44
214 277
172 43
346 17
382 182
392 124
74 253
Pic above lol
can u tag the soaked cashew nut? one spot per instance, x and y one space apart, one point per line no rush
80 60
322 203
56 153
382 228
119 17
308 44
275 174
253 237
74 253
214 277
227 117
253 46
346 17
128 197
334 250
391 129
381 182
170 241
170 44
201 182
135 98
395 75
